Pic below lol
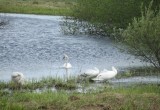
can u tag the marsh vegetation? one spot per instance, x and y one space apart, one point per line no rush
139 96
110 99
56 93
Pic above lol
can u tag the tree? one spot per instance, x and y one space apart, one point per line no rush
142 36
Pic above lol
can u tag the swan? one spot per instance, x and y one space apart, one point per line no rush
66 65
91 72
18 78
106 74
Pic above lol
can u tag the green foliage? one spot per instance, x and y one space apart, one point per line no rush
107 11
110 13
142 36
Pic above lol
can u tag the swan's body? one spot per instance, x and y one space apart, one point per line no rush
18 78
91 72
67 65
105 75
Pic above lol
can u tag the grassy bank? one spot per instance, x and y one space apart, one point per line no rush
49 7
142 97
65 97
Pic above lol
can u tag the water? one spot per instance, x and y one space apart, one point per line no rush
35 44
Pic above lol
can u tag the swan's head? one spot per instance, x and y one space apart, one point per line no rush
65 57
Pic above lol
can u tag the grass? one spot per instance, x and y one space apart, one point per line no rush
139 97
139 71
40 84
47 7
135 97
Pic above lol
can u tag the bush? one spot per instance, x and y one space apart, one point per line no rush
142 36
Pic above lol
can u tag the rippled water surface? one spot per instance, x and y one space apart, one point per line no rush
35 44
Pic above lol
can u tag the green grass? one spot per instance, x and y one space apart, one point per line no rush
139 71
133 97
140 97
49 7
48 82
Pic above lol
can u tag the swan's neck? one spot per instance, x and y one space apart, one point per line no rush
114 69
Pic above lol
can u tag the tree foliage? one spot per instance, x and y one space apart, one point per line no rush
142 36
113 13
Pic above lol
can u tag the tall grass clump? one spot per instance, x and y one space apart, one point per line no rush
142 36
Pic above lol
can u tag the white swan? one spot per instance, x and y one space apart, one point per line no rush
66 65
18 78
91 72
106 74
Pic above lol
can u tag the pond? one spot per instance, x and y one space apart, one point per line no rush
35 44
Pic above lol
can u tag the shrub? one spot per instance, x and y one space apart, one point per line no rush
142 36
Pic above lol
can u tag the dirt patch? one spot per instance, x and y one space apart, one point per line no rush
96 107
73 98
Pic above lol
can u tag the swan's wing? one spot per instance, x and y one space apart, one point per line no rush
108 75
91 72
88 72
69 65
